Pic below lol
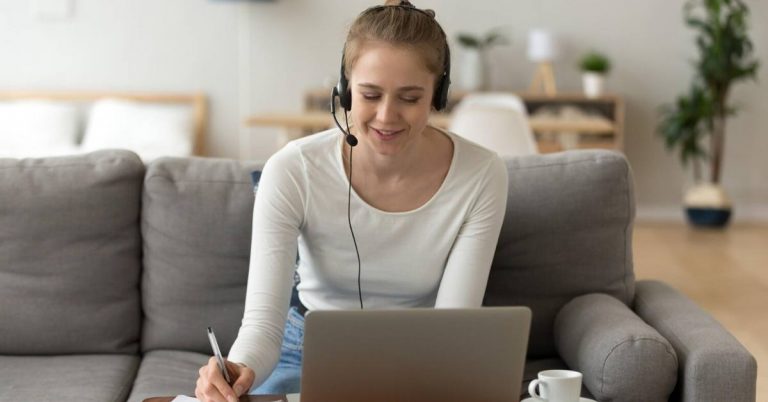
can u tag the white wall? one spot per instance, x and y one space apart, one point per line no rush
131 45
253 57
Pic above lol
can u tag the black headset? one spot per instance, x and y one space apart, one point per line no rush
342 91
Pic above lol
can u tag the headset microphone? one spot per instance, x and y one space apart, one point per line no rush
351 139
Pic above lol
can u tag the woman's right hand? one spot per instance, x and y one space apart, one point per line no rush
212 387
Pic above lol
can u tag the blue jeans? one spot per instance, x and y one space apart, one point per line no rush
286 377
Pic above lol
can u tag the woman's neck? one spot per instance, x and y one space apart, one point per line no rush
368 163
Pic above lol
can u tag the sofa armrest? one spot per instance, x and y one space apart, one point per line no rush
621 357
714 366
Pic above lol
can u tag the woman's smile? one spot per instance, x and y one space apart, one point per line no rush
386 135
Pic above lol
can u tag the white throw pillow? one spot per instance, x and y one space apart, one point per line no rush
33 127
150 130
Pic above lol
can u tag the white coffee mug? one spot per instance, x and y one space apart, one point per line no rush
557 386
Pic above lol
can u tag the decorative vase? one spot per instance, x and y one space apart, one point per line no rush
707 206
593 84
473 70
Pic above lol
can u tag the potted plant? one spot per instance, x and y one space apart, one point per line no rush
594 67
724 57
474 72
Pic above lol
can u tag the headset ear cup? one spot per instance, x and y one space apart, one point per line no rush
345 96
345 99
441 94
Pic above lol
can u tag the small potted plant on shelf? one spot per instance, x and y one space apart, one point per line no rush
474 69
594 67
724 57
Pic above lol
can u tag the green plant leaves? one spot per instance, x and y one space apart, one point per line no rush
595 62
467 40
724 57
493 37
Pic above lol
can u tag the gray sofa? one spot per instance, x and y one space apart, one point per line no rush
110 271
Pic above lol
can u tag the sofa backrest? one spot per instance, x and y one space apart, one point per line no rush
70 254
567 232
196 226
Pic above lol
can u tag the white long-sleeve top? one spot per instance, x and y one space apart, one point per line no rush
436 255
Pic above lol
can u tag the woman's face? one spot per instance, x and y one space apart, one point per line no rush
391 97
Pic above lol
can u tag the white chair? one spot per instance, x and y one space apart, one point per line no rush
500 99
497 121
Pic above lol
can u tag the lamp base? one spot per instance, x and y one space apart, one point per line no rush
543 80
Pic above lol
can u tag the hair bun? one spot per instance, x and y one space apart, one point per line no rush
429 12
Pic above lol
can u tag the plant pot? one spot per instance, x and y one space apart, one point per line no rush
707 206
593 83
473 70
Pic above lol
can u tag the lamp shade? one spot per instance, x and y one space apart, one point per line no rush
542 46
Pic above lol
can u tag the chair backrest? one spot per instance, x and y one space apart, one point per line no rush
493 99
495 121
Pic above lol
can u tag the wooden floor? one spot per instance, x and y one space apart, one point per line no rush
725 272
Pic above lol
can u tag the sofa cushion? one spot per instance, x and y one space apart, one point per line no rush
70 254
81 378
174 372
196 224
567 232
167 372
622 358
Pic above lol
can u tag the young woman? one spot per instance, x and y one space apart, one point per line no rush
417 228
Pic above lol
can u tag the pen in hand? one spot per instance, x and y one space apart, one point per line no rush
217 353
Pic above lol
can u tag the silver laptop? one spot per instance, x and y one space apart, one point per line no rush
415 355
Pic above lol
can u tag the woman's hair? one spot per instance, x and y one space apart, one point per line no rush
398 26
